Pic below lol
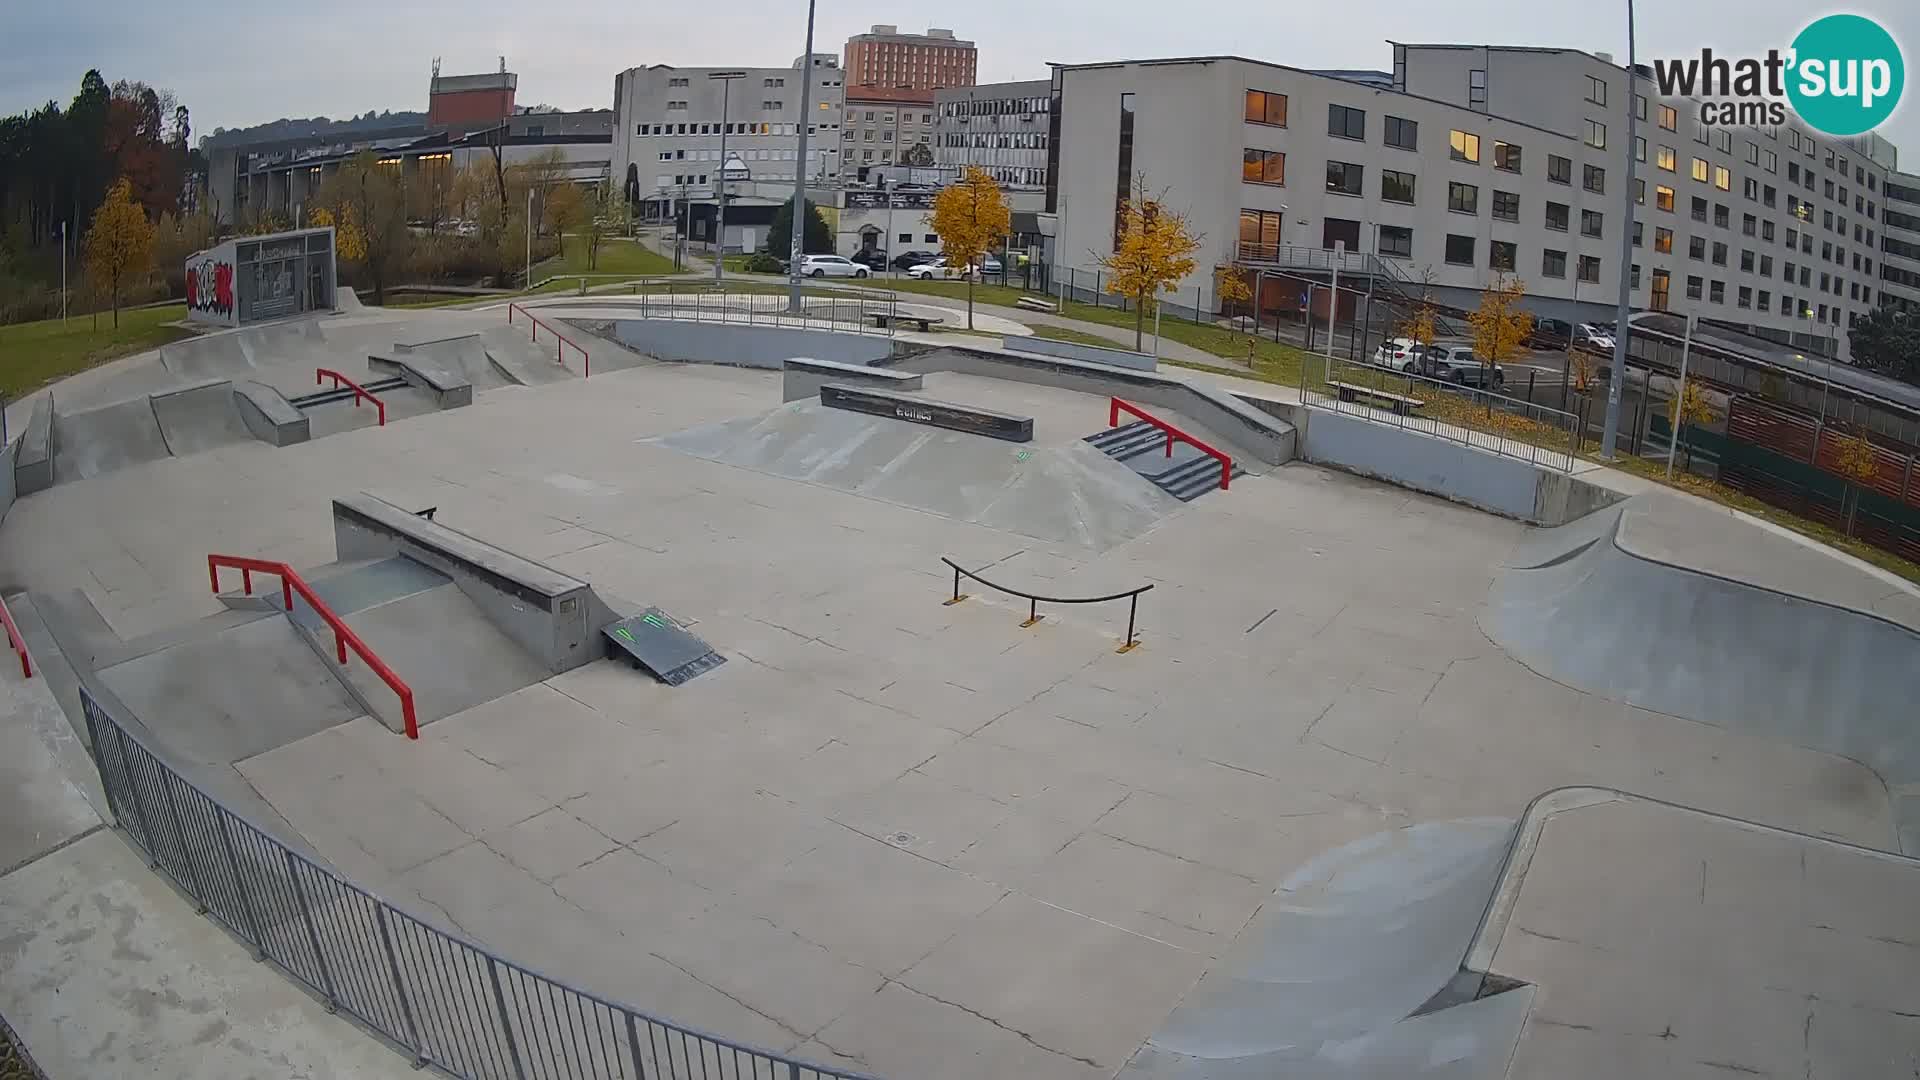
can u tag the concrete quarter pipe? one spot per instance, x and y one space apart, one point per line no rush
1588 605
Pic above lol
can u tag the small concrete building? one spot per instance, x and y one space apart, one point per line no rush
252 279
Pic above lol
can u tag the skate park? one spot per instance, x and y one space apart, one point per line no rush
1370 782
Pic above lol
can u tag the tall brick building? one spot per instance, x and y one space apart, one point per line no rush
886 57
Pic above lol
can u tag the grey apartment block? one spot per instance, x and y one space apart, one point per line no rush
1000 127
881 126
1900 243
1485 157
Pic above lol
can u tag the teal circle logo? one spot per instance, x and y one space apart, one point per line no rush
1846 74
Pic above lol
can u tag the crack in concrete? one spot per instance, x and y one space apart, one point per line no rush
1025 1036
800 1036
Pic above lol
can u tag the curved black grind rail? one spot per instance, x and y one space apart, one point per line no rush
1131 596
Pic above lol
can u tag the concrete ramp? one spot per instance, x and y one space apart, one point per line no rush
197 418
1068 493
105 440
449 652
220 355
1603 616
465 356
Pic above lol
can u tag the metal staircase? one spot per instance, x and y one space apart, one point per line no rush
1186 474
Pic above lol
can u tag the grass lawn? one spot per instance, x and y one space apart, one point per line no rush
1078 337
615 257
37 353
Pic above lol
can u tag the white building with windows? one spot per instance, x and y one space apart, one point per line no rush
1900 243
1000 127
668 126
1471 162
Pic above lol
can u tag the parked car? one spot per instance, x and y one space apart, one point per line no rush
872 258
934 271
1399 353
907 260
1594 336
1458 364
1550 334
990 265
830 266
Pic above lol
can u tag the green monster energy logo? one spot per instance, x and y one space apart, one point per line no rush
652 620
623 634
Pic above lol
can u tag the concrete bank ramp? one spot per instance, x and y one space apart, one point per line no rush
1589 606
465 355
1341 974
171 423
1068 493
197 418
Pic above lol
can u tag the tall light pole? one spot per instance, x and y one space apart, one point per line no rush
800 169
529 231
725 79
1621 328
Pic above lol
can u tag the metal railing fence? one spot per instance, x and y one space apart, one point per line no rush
1481 419
851 313
443 1000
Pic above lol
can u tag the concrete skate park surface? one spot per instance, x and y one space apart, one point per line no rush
918 839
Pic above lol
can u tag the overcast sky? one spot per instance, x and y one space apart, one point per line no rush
241 62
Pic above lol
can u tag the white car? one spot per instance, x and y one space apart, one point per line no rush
1401 353
932 271
830 266
1593 337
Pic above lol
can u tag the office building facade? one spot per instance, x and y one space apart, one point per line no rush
886 57
881 127
1000 127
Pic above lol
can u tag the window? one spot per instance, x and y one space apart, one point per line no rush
1750 189
1721 215
1591 222
1749 225
1699 212
1639 148
1665 158
1345 123
1502 255
1717 292
1669 119
1477 89
1765 300
1766 266
1697 248
1640 106
1722 178
1663 241
1260 232
1700 132
1752 152
1266 108
1719 253
1404 134
1633 276
1772 161
1700 169
1662 281
1506 206
1559 169
930 238
1594 179
1396 240
1663 197
1723 140
1596 90
906 238
1557 216
1396 186
1596 135
1459 249
1696 286
1463 146
1553 263
1746 261
1506 156
1463 198
1638 232
1590 268
1769 196
1639 192
1263 167
1344 178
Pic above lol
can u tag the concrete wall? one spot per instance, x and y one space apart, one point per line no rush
33 464
804 376
6 479
450 389
269 415
1072 350
746 346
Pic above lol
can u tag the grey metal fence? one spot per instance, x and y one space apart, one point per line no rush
1484 420
440 998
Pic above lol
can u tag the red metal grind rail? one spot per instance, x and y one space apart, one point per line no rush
16 640
343 635
320 375
560 350
1117 406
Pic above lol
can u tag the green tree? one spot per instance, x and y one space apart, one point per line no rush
1888 342
119 243
816 238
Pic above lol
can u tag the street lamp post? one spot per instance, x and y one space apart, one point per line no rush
529 237
725 79
1618 380
800 169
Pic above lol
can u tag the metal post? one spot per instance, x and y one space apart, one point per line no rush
529 285
1679 417
726 95
240 886
1624 309
139 804
800 167
506 1020
399 989
186 849
1333 299
313 935
1133 606
1156 327
633 1044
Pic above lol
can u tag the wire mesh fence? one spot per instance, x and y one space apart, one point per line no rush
443 1000
1454 411
875 312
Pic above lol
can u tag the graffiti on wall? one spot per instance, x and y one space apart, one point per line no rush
210 287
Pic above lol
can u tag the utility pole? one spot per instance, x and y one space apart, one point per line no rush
800 169
1680 399
1624 311
530 236
725 79
63 272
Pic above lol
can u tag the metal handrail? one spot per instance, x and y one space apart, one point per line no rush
16 640
322 374
442 998
560 351
1132 596
343 635
1116 406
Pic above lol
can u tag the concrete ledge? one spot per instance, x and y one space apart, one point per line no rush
747 346
1072 350
1263 436
804 376
918 410
553 616
269 415
33 461
450 389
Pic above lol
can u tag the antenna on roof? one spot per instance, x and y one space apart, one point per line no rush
503 65
436 67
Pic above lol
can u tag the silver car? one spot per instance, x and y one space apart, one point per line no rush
830 266
1458 364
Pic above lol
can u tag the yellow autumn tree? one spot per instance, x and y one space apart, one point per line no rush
349 243
1230 284
1153 252
1689 406
119 243
971 216
1500 325
1856 461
